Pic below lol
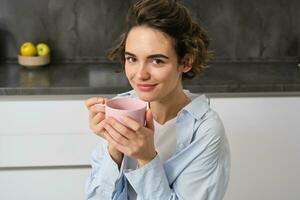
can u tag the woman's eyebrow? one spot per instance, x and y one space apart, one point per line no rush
158 56
150 56
130 54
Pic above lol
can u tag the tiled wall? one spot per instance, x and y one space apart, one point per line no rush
86 29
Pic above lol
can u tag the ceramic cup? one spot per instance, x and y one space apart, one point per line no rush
130 107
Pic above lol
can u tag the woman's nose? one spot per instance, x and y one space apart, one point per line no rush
143 73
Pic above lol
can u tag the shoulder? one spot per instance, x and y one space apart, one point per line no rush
209 131
211 123
207 122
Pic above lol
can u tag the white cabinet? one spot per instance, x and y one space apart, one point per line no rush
40 183
45 147
40 132
264 136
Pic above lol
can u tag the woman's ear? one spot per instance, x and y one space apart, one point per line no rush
187 63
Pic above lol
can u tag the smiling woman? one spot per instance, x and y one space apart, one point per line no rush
151 66
182 151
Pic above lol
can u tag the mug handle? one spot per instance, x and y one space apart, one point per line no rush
100 107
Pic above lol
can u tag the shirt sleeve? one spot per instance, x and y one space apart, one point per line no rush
150 181
105 180
207 176
204 174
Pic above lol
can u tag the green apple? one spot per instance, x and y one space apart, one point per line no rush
42 49
28 49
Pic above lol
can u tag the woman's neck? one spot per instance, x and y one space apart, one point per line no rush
168 107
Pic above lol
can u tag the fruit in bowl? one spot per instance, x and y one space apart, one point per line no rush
28 49
32 56
42 49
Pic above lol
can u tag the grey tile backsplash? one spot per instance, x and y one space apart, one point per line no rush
239 29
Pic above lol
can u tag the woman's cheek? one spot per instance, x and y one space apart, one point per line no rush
161 75
128 72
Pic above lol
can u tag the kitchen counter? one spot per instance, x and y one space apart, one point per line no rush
108 78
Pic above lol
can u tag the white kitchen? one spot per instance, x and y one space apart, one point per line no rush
253 83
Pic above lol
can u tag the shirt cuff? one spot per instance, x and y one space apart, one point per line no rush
109 173
150 181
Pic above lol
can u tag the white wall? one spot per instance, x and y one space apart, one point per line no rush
45 147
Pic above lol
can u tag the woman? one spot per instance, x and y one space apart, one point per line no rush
182 152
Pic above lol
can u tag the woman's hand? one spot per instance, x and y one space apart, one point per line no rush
96 116
133 139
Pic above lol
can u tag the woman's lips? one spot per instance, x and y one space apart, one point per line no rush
146 87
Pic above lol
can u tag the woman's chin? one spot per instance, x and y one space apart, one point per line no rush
148 97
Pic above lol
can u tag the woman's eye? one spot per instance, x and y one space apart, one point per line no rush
130 59
157 61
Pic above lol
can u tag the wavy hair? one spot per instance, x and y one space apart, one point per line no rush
174 19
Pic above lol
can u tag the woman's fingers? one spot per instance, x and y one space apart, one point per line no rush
115 144
131 123
95 124
149 120
118 137
96 115
94 100
99 129
122 129
102 133
97 118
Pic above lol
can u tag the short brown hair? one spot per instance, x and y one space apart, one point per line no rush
174 19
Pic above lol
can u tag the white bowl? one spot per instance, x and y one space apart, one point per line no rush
33 61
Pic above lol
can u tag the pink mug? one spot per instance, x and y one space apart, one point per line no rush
130 107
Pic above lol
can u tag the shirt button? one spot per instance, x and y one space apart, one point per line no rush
180 146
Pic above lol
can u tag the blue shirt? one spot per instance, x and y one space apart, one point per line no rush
199 168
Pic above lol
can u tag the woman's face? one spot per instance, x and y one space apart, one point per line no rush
151 64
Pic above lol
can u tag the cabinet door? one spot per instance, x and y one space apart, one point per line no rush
264 138
45 133
45 148
40 183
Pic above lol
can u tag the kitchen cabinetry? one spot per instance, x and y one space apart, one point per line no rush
264 138
45 146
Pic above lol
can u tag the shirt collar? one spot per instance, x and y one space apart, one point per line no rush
187 117
198 107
